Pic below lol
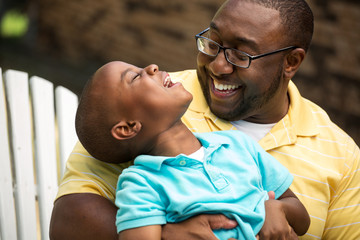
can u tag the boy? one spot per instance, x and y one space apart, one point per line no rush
126 113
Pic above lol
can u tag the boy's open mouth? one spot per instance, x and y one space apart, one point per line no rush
167 82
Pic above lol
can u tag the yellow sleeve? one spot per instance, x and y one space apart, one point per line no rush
85 174
343 219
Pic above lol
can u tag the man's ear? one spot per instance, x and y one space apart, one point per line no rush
125 129
293 61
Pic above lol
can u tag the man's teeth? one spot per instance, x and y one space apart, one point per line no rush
222 87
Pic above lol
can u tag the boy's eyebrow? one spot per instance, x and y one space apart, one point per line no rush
123 74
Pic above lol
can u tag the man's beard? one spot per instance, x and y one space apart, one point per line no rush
249 105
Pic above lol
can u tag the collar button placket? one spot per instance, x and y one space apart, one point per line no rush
214 173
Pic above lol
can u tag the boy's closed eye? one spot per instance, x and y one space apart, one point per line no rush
136 76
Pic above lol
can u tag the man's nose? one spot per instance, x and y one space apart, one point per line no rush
219 65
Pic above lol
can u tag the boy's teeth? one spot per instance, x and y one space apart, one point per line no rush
221 87
167 81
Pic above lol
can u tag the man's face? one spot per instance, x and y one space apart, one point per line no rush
234 93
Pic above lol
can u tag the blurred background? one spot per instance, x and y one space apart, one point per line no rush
66 41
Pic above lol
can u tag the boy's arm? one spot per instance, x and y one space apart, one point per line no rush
286 210
152 232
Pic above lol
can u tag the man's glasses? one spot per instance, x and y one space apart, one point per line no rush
233 56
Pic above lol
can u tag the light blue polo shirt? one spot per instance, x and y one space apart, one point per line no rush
233 179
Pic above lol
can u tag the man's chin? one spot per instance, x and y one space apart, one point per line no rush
223 113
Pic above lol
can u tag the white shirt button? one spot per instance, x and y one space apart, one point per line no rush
182 162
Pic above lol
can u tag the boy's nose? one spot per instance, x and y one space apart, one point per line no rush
151 69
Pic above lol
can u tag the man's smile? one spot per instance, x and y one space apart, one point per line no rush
224 90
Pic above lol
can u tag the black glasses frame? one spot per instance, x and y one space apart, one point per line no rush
251 57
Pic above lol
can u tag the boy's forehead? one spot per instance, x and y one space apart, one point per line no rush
111 73
114 67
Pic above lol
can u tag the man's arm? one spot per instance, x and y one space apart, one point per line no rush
197 228
83 216
92 217
152 232
295 212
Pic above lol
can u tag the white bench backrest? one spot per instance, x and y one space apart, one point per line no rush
32 122
66 106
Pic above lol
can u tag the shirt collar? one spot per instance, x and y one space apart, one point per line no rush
153 162
299 121
300 115
199 103
192 84
210 144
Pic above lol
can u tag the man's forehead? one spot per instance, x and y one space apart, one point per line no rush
239 38
246 22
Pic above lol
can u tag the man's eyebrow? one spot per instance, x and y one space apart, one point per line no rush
213 26
123 74
241 40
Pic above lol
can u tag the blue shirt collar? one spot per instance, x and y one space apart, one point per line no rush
155 162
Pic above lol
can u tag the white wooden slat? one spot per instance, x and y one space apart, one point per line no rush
42 94
7 205
66 105
16 85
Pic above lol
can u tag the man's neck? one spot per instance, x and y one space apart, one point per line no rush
273 113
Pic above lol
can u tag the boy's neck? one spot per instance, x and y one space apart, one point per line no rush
176 140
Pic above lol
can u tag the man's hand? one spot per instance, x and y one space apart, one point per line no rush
197 228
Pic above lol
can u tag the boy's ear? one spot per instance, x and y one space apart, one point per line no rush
125 129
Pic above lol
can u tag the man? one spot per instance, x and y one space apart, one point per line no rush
246 60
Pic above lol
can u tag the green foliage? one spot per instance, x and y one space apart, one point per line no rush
13 24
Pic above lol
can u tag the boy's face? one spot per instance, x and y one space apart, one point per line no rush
146 95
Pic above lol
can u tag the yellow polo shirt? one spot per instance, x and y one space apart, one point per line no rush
323 159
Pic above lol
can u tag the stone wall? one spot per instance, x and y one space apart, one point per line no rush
330 75
138 31
86 34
